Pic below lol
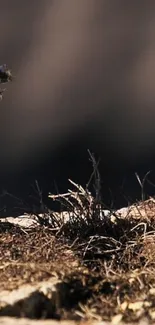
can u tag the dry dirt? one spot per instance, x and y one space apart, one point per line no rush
88 269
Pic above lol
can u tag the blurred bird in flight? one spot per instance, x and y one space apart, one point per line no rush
5 76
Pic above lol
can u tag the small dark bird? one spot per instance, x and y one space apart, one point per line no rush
5 74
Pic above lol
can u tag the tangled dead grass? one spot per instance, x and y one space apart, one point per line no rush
103 264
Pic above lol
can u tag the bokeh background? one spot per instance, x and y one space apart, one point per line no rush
84 79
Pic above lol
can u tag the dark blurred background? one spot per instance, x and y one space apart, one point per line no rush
84 79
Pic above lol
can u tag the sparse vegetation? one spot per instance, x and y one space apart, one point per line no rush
97 265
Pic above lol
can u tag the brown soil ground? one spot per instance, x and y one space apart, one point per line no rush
89 270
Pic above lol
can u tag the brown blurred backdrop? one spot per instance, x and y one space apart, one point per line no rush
84 78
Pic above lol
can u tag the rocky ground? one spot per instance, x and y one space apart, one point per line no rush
85 265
